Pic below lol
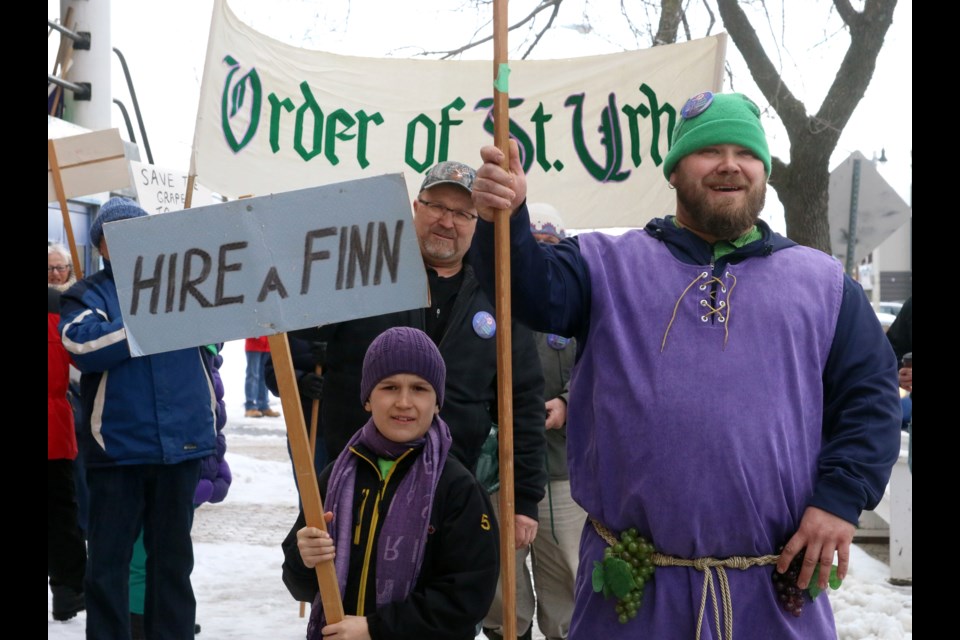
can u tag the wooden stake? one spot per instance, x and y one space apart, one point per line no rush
303 467
501 124
314 418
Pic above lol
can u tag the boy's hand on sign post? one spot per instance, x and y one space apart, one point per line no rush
316 546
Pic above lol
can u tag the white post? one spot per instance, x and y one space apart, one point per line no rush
91 66
901 518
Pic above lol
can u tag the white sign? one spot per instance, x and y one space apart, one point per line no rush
88 163
593 131
162 190
266 265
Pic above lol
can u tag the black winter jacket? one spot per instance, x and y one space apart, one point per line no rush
460 568
470 403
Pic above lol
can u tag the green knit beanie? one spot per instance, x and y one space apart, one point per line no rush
717 118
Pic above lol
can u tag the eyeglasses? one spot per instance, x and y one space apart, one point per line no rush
59 269
462 218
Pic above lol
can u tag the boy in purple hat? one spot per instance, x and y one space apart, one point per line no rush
415 533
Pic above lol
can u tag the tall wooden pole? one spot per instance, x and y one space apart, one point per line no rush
303 467
501 131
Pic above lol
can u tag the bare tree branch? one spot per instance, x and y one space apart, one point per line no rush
540 8
791 111
670 14
846 11
867 32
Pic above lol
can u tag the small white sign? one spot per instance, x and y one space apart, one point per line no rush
161 190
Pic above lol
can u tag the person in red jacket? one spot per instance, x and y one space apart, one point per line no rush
257 403
66 552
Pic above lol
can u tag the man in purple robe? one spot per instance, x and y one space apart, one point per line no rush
734 399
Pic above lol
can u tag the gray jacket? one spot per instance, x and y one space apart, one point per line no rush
556 363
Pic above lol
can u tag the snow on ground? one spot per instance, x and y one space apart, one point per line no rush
236 577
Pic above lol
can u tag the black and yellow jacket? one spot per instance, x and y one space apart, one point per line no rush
460 568
470 402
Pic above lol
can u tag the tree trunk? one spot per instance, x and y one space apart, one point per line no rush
803 190
670 11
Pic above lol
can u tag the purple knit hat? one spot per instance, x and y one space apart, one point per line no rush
403 350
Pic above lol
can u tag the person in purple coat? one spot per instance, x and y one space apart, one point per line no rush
734 400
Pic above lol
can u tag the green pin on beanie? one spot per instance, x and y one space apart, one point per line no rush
717 118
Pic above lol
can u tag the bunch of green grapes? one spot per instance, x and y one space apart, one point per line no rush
626 569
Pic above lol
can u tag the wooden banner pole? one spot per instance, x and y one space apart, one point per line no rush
501 123
303 467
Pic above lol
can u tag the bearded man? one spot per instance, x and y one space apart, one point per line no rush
734 400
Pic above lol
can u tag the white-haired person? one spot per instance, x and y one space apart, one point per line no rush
59 267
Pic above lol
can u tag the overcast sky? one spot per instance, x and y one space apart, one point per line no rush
164 44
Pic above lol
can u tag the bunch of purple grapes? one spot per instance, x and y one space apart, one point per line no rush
791 596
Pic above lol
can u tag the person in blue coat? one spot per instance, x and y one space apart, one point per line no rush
148 424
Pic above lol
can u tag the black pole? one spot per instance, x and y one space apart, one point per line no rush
136 105
852 232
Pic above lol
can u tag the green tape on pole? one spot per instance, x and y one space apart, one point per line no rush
502 83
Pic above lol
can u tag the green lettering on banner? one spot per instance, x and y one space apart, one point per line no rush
233 98
539 119
431 130
309 104
645 112
445 123
428 141
275 105
362 120
344 118
610 139
516 131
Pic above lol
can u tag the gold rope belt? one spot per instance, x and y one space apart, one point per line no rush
707 566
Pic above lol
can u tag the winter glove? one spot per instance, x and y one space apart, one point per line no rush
311 386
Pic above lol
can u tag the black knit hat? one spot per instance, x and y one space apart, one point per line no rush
403 350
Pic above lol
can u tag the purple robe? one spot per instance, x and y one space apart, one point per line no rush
701 428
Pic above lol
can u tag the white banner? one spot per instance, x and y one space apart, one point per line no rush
593 131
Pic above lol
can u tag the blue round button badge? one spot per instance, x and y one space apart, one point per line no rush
557 342
696 105
484 325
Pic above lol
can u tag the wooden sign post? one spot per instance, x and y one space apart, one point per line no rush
302 454
501 123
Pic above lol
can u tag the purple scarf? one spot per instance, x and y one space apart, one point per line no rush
404 532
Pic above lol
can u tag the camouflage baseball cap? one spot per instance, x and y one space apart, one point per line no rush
450 172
